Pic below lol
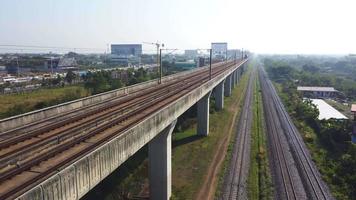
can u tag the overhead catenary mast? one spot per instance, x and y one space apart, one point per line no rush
158 45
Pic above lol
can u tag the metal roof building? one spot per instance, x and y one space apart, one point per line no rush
326 111
316 89
317 92
353 137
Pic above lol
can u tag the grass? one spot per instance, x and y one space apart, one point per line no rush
259 179
14 104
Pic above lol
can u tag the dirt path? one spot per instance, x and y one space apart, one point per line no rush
207 190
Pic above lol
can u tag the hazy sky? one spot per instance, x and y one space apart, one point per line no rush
265 26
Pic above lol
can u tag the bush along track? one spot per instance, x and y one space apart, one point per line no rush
259 179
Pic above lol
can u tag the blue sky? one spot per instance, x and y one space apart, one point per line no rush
274 26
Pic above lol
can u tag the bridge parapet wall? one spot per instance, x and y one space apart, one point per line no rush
30 117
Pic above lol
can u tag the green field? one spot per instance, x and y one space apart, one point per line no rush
14 104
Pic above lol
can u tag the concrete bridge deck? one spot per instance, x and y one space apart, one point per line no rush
153 125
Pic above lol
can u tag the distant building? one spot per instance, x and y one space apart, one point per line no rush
118 60
219 49
126 50
234 53
50 63
67 63
200 62
317 92
191 53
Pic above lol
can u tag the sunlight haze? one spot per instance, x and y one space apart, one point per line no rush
275 26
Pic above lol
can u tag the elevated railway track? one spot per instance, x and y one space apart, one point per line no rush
36 151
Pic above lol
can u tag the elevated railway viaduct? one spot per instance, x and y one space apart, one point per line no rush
63 151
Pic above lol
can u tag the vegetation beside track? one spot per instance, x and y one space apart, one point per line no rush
328 140
259 180
14 104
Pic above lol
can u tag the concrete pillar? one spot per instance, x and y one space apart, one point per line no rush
160 169
227 89
219 96
232 80
237 76
203 115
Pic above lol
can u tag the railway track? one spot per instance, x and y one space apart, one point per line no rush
32 153
313 186
235 185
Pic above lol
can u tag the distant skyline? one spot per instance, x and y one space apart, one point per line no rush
274 26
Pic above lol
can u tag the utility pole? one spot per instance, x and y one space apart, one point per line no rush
158 45
226 55
51 66
211 51
160 66
18 66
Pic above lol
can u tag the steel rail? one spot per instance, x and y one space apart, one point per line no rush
273 124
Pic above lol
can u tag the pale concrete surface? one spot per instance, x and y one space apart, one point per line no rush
227 89
203 115
219 96
160 166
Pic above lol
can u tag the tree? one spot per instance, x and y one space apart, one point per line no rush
70 76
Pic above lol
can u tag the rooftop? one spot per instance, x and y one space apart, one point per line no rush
316 89
353 108
326 111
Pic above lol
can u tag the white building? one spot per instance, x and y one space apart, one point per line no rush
326 111
219 49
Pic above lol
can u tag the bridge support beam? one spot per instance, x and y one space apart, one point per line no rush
227 85
237 76
203 115
160 169
219 96
232 80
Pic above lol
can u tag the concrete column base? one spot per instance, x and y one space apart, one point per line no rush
160 169
237 76
232 80
227 85
203 115
219 96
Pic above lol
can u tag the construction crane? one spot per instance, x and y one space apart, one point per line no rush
158 45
